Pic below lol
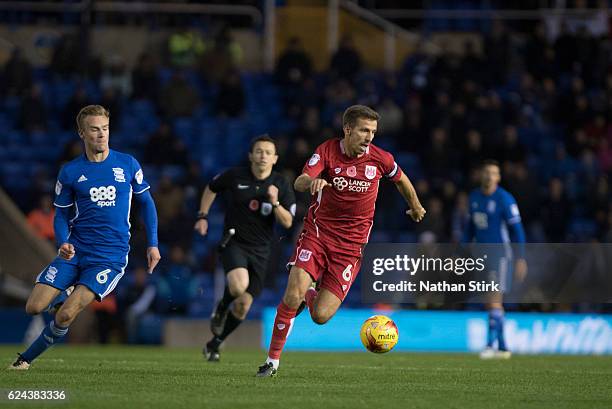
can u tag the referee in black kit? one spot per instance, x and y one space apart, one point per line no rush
256 197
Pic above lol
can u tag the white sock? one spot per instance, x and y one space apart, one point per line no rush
275 362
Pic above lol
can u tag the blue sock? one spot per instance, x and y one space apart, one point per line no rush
49 336
61 297
498 315
491 333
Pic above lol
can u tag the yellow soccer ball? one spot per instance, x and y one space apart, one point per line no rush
379 334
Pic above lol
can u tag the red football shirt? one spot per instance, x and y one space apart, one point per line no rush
342 213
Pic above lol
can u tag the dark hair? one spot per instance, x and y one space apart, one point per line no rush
355 112
262 138
489 162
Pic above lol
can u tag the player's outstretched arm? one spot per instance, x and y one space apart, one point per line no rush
149 215
405 187
208 197
304 182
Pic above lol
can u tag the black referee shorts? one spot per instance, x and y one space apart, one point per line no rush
254 259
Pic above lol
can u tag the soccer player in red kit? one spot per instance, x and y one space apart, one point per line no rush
343 176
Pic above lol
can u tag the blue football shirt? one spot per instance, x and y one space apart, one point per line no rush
101 193
491 215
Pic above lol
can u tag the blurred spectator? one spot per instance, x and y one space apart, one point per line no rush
76 102
145 79
391 118
230 99
223 57
294 65
41 218
474 152
117 77
460 216
435 224
71 150
33 112
176 288
111 100
178 98
67 59
175 225
511 150
17 74
135 301
497 52
556 212
604 156
439 159
600 200
184 48
106 313
346 62
164 148
524 186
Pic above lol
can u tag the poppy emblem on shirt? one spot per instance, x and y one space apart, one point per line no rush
370 171
352 171
254 205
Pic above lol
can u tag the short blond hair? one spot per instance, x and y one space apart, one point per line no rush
91 110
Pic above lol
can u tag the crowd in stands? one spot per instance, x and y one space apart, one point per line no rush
539 104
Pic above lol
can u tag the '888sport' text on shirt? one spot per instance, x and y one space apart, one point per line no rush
101 193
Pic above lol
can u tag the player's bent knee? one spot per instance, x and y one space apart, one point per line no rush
241 309
34 307
292 300
65 317
320 318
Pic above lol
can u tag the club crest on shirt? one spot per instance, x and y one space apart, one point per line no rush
370 171
119 175
314 159
351 171
337 170
305 255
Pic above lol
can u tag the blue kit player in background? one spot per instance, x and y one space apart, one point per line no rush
494 217
92 229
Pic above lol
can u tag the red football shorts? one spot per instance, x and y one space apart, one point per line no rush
334 270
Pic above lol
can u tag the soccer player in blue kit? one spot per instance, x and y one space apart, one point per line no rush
92 229
494 217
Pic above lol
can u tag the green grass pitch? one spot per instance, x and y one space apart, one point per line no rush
151 377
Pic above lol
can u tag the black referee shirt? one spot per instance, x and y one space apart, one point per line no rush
249 210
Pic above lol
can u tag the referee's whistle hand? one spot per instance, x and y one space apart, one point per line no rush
201 227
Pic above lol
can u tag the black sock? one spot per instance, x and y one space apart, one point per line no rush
231 323
226 300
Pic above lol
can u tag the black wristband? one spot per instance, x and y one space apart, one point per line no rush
275 205
202 216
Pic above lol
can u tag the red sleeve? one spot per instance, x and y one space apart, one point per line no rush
316 163
390 168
